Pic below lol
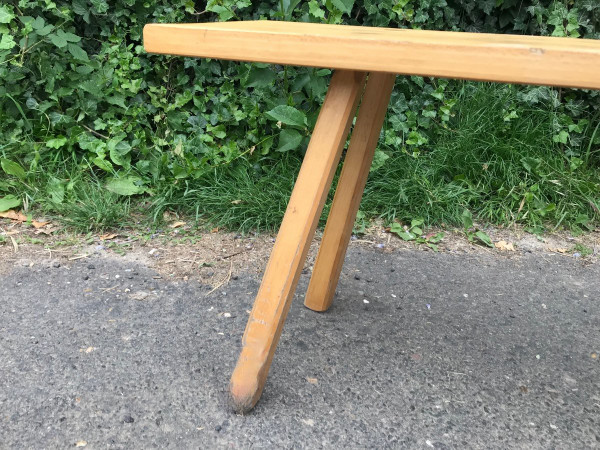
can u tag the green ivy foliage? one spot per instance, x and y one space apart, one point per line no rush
75 82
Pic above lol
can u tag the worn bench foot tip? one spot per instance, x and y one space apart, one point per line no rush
316 306
244 393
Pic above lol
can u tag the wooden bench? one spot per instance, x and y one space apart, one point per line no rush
368 60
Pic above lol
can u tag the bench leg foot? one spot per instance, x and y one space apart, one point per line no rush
293 240
348 194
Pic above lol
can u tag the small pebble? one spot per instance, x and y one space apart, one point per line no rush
56 264
91 266
86 277
218 428
365 301
356 277
128 419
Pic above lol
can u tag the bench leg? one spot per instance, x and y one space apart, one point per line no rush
348 194
293 240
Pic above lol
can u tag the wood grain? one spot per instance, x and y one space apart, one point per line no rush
475 56
346 201
293 240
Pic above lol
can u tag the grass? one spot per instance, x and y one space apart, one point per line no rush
505 171
503 168
241 197
92 208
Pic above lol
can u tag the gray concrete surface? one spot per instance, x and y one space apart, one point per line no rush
449 352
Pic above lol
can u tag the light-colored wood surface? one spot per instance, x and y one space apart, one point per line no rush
346 201
477 56
293 240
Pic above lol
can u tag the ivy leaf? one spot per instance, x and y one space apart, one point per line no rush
488 5
223 12
12 168
6 14
343 5
289 140
260 77
561 138
101 6
379 159
9 202
7 42
56 142
118 100
288 115
92 86
78 52
315 9
125 186
416 138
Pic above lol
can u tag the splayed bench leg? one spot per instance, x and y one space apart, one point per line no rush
348 194
293 240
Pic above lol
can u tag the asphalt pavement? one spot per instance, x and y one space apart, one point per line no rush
420 350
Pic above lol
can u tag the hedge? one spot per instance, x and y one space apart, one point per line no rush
76 83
